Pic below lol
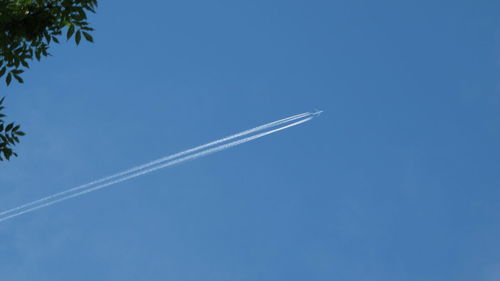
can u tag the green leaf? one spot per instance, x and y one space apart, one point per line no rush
11 140
18 78
71 30
78 37
7 152
47 36
37 54
88 36
2 71
9 127
8 79
20 133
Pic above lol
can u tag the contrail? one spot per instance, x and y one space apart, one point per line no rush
163 159
146 171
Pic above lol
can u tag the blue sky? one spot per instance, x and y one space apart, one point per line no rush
397 180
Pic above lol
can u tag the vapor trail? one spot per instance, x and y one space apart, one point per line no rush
160 160
50 200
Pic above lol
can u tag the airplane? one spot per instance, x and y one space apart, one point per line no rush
317 112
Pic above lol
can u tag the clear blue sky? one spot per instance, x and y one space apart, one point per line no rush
399 179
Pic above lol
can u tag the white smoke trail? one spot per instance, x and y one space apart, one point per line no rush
145 171
163 159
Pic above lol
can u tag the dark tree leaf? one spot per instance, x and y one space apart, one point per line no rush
9 78
88 36
78 37
18 78
71 30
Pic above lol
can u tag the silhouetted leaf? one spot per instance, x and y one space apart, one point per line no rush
38 53
8 79
88 36
18 78
7 152
71 30
78 37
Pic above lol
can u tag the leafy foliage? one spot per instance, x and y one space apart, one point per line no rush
9 136
28 27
